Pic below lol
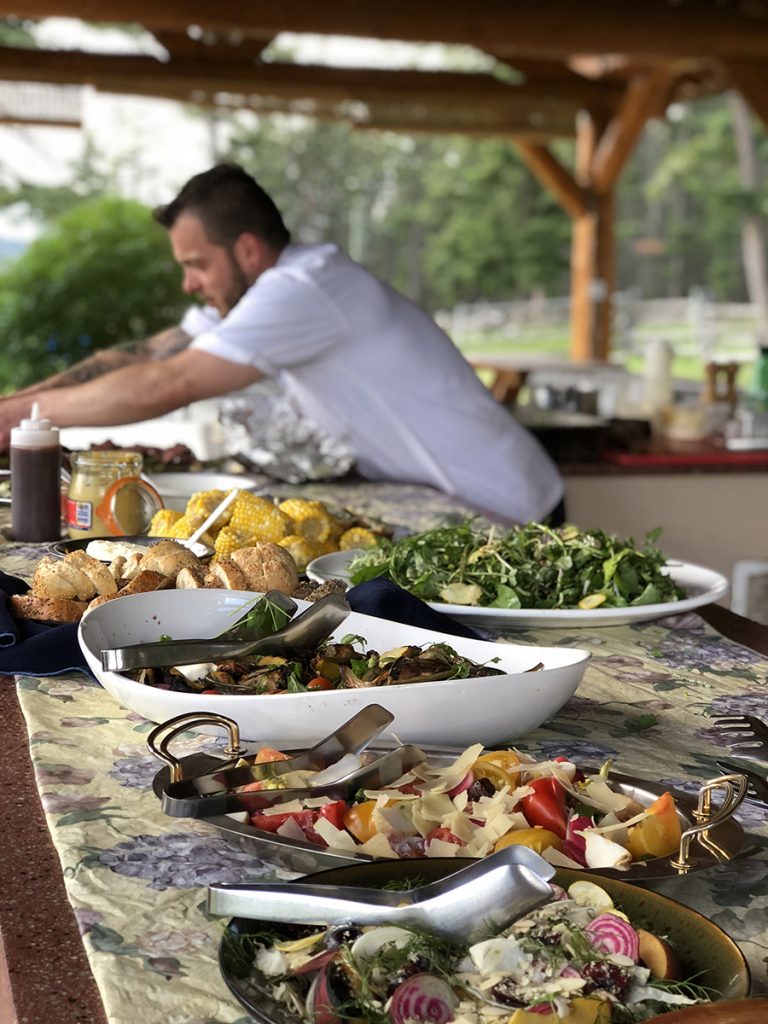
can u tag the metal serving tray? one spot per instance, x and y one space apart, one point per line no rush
710 836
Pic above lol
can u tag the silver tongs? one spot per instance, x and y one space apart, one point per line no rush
301 634
183 799
474 903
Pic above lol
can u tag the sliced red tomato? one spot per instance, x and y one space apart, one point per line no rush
444 834
334 813
272 822
546 806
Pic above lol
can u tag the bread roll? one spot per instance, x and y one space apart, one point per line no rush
191 577
47 609
143 583
168 557
267 566
53 578
98 573
225 573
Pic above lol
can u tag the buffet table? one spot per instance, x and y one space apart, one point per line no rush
84 844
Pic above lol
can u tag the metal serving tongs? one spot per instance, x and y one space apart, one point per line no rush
184 799
300 634
351 738
471 904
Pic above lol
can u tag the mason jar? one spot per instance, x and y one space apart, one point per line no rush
107 496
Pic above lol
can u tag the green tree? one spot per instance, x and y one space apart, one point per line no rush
102 274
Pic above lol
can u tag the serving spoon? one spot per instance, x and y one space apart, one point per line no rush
474 903
300 634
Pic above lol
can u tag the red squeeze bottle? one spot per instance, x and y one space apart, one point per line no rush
35 480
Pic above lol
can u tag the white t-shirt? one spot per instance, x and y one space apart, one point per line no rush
375 371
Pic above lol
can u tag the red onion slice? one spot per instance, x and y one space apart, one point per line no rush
612 934
423 997
465 783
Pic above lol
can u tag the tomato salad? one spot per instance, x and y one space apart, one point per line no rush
576 960
479 803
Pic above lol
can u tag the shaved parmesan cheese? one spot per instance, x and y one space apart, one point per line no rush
289 807
290 830
439 848
336 838
378 846
603 853
559 860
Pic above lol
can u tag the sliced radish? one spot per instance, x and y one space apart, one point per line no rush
611 934
464 785
321 1001
423 997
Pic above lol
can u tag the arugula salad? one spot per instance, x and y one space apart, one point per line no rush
532 566
577 959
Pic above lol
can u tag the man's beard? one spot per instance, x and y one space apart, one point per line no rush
237 288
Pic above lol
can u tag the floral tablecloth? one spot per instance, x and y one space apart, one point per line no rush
136 878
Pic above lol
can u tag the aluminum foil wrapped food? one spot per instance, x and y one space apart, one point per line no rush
275 437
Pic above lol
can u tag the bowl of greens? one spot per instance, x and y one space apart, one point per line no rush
601 952
531 576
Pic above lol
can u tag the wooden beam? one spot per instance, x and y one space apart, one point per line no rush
645 98
527 27
291 80
751 80
40 122
553 176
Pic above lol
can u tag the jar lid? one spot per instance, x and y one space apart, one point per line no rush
128 506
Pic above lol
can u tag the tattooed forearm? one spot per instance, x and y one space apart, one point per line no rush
159 346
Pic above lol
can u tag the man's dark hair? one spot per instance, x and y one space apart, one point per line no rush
227 201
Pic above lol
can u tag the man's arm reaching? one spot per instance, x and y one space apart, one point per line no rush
131 393
160 346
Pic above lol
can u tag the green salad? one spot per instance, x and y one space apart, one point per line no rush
532 566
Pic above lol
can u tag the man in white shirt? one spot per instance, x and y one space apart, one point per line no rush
366 364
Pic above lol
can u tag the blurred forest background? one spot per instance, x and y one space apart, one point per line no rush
452 222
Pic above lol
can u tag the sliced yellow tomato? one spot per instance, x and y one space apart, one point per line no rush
507 760
658 835
358 821
537 839
582 1010
592 601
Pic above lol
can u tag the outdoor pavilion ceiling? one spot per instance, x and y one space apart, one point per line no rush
595 71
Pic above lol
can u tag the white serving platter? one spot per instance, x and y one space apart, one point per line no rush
488 709
703 586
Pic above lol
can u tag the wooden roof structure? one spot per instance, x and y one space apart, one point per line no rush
595 71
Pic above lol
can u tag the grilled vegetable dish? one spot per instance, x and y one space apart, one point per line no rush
343 665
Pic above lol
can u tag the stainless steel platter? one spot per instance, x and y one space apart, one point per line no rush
711 835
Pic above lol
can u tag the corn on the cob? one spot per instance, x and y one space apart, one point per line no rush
311 519
302 549
356 537
204 502
257 518
162 521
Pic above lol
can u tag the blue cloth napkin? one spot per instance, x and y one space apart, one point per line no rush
37 649
34 648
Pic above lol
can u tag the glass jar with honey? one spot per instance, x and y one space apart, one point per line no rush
107 496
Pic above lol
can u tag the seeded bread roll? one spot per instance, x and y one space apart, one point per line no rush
168 557
226 573
98 573
267 566
132 565
191 577
47 609
143 583
56 577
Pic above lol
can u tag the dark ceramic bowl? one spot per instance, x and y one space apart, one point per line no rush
705 950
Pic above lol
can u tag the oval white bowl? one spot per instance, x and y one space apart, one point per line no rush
488 709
